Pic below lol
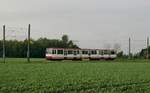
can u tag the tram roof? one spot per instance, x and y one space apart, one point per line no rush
65 48
80 49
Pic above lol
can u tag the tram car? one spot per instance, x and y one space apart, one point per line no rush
55 53
79 54
85 53
73 54
94 54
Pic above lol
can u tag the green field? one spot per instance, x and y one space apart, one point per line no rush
40 76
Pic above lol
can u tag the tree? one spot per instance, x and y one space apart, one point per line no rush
143 53
16 48
70 44
65 40
120 54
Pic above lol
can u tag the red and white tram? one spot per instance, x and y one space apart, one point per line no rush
85 53
79 54
94 54
55 53
73 54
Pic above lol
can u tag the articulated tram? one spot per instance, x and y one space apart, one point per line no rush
79 54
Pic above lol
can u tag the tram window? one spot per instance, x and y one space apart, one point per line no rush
48 51
75 52
53 51
112 52
84 52
78 52
93 52
101 52
106 52
59 51
70 52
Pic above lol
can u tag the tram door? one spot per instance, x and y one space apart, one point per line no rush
65 54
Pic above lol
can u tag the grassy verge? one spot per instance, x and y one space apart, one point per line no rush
41 76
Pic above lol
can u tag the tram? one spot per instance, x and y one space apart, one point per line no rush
79 54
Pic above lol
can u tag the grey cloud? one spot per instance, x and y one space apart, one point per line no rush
95 21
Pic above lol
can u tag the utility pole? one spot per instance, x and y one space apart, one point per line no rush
129 48
147 47
4 43
28 51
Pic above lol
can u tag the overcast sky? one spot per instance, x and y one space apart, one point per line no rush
96 21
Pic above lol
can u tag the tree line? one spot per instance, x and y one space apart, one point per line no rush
18 49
